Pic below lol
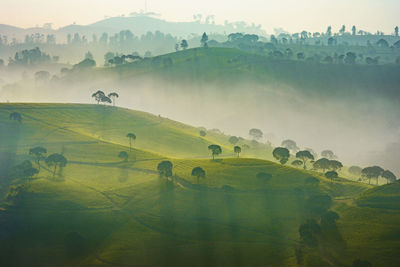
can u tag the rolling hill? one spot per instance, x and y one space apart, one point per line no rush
100 210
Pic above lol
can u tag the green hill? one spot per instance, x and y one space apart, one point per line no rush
100 210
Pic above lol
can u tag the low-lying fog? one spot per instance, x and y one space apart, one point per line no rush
361 131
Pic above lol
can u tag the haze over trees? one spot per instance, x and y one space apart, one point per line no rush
198 172
256 134
165 169
237 150
39 153
56 160
305 156
215 150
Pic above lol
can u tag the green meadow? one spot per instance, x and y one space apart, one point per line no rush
101 210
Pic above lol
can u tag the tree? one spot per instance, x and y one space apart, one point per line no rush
354 30
372 172
335 165
215 150
131 137
389 176
321 164
290 144
56 160
342 30
396 31
233 140
350 58
113 96
39 154
24 170
202 133
16 117
281 154
305 156
237 150
256 133
165 169
329 31
355 170
297 163
204 40
184 44
331 175
328 154
198 172
98 96
123 155
105 99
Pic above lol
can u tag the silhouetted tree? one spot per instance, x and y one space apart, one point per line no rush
372 172
56 160
165 169
354 30
237 150
123 155
98 96
335 165
184 44
342 30
215 150
256 133
113 96
305 156
331 175
329 31
132 137
24 170
281 154
203 133
16 117
321 164
204 40
396 31
389 176
105 99
198 172
39 154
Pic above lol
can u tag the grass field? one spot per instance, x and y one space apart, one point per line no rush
103 211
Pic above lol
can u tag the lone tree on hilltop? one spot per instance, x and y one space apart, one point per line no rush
165 169
16 117
257 134
215 150
372 172
198 172
202 133
113 96
56 160
131 137
123 155
39 154
281 154
305 156
98 96
237 150
105 99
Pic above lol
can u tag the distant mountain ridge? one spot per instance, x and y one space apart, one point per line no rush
138 25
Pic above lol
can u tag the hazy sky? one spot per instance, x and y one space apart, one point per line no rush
292 15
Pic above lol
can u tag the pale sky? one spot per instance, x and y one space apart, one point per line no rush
292 15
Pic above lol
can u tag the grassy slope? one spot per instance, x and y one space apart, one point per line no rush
127 214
